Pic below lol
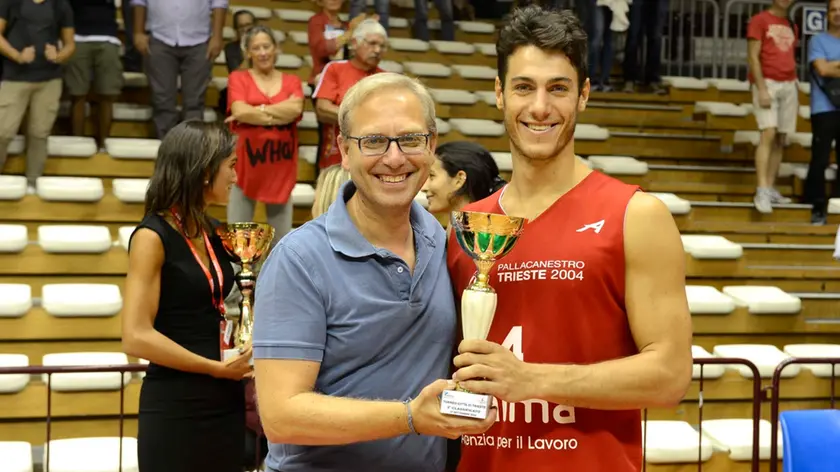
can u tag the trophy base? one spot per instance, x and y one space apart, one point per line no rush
465 404
231 353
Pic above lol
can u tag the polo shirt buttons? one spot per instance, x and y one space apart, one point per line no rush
399 270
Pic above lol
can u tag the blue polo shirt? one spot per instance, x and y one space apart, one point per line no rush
325 294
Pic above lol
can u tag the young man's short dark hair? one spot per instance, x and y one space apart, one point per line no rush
549 30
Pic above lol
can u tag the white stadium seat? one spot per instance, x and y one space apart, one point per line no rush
504 161
452 47
443 127
487 97
476 72
675 204
475 127
747 137
802 139
296 16
125 233
479 27
210 115
12 187
707 300
288 61
221 59
13 238
74 239
308 153
307 90
396 22
588 132
392 66
421 199
17 456
816 350
720 109
308 121
130 190
686 83
453 97
735 435
86 381
427 69
15 300
711 247
219 83
805 87
17 145
13 383
619 165
308 60
135 80
766 358
70 189
144 362
303 195
259 13
300 37
408 45
729 85
673 442
81 300
764 300
132 112
488 49
101 454
279 36
71 146
710 371
132 148
805 112
228 33
833 204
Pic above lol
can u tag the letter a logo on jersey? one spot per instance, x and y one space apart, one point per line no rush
593 226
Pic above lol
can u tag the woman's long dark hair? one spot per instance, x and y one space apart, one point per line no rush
187 163
482 172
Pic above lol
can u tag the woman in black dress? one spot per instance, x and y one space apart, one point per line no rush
192 406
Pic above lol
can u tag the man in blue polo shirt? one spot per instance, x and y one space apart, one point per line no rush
824 57
355 318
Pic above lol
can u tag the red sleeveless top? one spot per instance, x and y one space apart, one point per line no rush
560 300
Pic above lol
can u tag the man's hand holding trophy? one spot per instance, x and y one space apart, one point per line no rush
486 238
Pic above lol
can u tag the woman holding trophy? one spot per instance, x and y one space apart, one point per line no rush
192 405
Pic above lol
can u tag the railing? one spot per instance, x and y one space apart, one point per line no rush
756 407
776 395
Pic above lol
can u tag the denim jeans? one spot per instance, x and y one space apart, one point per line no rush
647 18
421 20
600 45
382 8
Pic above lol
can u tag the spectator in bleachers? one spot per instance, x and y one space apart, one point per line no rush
421 20
368 44
647 20
265 106
132 59
243 21
96 64
824 57
463 172
326 188
192 404
184 39
601 52
771 38
358 320
381 7
32 58
329 36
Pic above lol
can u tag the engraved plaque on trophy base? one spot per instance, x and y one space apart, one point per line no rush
465 404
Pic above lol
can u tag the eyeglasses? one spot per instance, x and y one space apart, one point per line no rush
376 44
377 145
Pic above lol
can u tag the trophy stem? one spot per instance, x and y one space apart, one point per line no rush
478 308
246 281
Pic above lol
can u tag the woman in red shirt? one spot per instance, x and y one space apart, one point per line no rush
265 106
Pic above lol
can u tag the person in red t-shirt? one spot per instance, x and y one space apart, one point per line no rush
328 35
771 42
265 106
592 323
369 43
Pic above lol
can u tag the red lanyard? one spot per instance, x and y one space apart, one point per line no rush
220 305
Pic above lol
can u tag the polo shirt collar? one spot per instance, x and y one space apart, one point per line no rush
345 238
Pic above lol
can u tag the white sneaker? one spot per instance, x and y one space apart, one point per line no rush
778 198
763 201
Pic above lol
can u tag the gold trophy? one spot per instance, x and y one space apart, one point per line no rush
246 243
486 238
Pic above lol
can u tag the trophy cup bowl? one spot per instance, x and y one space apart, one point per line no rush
246 243
486 238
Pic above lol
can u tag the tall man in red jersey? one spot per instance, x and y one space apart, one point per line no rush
592 322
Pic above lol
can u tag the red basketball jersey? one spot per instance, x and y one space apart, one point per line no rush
560 300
